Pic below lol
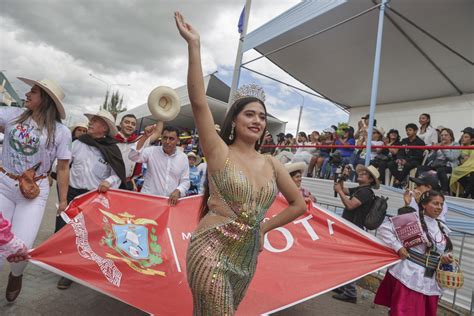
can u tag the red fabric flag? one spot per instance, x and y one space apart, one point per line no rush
132 247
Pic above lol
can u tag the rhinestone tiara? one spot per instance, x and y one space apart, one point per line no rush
249 90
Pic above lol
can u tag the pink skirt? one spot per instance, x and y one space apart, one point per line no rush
402 301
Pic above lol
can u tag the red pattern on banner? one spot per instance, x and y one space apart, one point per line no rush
311 255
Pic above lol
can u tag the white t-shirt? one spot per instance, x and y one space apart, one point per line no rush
89 169
430 136
24 144
165 173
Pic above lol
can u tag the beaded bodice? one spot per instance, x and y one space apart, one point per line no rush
233 195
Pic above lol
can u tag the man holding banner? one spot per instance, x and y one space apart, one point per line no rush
167 168
96 164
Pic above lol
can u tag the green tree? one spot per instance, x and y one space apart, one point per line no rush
115 104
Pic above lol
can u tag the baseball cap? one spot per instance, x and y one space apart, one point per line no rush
427 178
468 130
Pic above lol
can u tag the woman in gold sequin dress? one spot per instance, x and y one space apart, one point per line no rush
222 253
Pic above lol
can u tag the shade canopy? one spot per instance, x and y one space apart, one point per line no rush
338 63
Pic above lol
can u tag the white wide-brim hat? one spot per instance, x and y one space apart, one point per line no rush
197 157
295 166
373 171
163 103
108 118
81 124
52 89
379 130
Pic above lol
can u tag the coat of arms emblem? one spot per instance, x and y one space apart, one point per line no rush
134 239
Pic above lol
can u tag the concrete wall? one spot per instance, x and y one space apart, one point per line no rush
454 112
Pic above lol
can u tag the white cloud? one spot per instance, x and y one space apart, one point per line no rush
136 42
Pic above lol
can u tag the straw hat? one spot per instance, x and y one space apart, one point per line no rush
379 130
163 103
52 89
197 157
295 166
81 124
373 172
108 118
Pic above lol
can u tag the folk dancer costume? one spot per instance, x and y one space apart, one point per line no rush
9 244
93 161
25 146
222 255
408 288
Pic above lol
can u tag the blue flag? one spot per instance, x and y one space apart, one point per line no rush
241 21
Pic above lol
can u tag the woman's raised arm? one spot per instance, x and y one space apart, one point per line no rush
212 145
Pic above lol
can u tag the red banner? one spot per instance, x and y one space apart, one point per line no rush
132 247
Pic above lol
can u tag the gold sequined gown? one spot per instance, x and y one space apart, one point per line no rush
222 254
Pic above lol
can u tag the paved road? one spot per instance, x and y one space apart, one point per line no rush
41 297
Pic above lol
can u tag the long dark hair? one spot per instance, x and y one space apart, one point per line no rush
423 128
226 130
425 199
48 116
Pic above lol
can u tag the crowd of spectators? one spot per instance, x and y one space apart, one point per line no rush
455 168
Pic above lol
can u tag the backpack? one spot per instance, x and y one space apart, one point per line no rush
376 214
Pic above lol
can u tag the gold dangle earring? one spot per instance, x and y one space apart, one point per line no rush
231 136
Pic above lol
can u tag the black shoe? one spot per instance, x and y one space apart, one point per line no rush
64 284
345 298
13 287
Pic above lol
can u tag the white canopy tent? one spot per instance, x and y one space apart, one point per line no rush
427 54
338 63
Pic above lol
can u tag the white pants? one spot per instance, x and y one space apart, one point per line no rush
24 215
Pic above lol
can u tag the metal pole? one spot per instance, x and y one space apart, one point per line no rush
299 121
375 82
238 58
460 259
301 112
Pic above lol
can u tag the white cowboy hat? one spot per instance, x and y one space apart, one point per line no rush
373 172
52 89
108 118
197 157
163 103
295 166
379 130
81 124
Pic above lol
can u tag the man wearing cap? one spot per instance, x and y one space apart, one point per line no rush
167 168
127 138
96 163
357 202
426 181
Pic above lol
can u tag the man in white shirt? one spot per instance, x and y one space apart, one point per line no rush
426 181
96 164
167 168
128 139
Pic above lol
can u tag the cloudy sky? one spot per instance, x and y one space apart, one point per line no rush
135 42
